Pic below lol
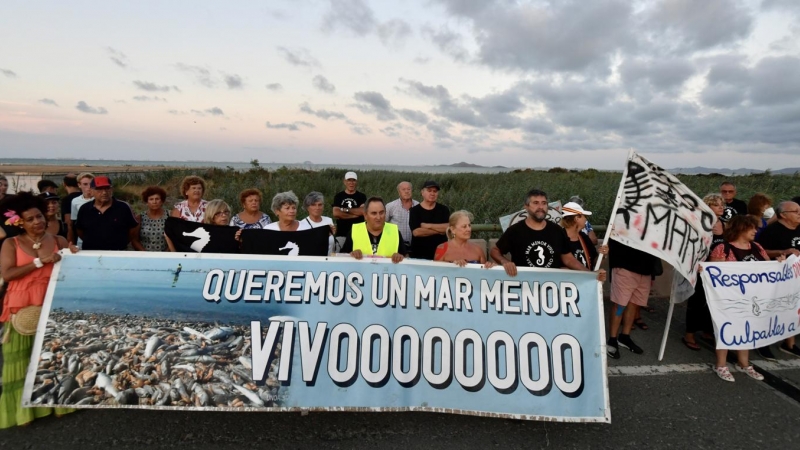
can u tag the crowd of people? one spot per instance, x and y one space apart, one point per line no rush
89 217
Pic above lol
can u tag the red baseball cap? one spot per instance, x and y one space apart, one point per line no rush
100 182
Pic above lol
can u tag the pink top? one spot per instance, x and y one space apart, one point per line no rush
188 215
719 252
28 290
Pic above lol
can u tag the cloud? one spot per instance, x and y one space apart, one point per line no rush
234 81
360 129
144 98
201 74
375 103
175 112
394 33
8 73
275 87
152 87
294 126
413 116
771 81
356 18
448 41
323 84
117 57
421 60
321 113
214 111
48 101
686 25
83 107
351 15
661 74
299 57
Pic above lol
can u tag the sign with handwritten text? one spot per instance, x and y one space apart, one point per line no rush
659 215
753 304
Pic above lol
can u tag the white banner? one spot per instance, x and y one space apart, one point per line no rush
753 304
658 214
553 215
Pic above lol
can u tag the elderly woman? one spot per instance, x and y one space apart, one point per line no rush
314 203
150 235
573 220
698 317
217 213
739 245
251 216
760 207
284 205
27 262
55 226
194 207
458 249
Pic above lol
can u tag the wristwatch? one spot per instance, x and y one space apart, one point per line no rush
347 210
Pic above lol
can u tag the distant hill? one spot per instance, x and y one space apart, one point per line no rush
742 171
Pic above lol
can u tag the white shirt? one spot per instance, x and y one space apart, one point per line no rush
77 202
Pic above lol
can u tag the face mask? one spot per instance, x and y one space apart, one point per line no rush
769 213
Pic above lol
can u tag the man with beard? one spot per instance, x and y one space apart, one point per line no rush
535 242
782 238
733 206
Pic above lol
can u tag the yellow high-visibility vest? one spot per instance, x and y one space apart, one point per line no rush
387 247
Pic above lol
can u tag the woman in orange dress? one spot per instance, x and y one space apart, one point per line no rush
26 262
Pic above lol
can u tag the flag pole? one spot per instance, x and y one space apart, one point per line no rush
614 209
669 321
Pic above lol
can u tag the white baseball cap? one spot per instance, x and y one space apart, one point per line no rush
350 176
573 209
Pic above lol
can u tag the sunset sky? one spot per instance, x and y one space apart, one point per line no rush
711 83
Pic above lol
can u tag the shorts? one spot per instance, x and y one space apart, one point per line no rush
627 286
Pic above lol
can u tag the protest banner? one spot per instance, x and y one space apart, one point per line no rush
659 215
255 333
312 242
753 304
553 215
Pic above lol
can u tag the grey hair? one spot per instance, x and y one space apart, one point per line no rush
313 197
578 200
282 198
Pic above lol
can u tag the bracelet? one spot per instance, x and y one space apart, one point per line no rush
38 263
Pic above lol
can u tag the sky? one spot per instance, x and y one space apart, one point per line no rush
540 83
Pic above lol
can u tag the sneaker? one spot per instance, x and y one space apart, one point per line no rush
794 351
724 373
766 353
751 372
612 350
626 342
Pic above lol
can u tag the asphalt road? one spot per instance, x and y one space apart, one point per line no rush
683 406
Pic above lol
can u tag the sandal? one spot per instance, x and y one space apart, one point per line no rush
724 373
640 324
751 372
690 345
649 309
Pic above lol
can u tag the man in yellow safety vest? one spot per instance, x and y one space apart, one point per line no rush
375 237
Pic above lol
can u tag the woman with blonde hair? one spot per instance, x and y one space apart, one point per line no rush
458 249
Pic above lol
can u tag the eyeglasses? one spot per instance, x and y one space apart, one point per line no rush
793 211
728 191
222 213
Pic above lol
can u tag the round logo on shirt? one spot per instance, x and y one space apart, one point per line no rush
728 214
539 254
796 242
349 203
581 256
750 258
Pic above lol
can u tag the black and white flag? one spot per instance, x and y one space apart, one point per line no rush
190 237
313 242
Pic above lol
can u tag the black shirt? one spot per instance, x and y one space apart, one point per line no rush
576 249
106 230
535 248
66 203
349 201
425 247
735 207
628 258
777 237
375 241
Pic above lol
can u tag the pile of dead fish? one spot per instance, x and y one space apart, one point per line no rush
96 359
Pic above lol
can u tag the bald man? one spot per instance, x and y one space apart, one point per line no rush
397 211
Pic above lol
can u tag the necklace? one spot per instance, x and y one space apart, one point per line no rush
37 244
